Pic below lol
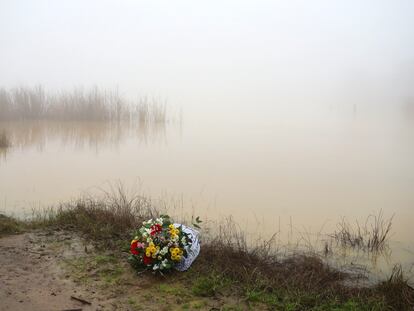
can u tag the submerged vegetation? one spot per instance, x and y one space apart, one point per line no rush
78 105
371 236
258 276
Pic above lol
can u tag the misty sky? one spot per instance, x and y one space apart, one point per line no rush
212 51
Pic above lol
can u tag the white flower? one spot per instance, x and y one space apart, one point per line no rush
159 221
147 222
156 267
164 250
164 263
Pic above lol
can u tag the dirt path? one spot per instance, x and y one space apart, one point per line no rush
31 277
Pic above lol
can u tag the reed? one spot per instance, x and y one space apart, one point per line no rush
372 236
77 105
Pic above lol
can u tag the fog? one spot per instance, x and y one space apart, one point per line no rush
241 56
278 112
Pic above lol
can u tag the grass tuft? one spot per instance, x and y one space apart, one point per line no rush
396 290
108 220
372 236
9 225
209 285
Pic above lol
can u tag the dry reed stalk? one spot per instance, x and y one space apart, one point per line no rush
78 105
371 237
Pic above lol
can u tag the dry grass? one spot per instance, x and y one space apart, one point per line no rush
262 270
77 105
265 271
396 290
372 236
9 225
106 220
112 218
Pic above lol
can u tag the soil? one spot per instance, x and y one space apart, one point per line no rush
31 277
59 271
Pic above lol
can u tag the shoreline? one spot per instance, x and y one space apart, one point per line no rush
226 276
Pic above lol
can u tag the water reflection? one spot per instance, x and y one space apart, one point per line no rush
80 135
3 154
282 172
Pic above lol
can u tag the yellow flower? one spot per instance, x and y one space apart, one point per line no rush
176 257
151 250
133 241
176 253
173 231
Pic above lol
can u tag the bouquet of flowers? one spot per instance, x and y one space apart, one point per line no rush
161 245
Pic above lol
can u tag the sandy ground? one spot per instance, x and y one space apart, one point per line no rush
31 277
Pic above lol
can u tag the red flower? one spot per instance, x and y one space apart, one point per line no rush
147 260
156 228
134 247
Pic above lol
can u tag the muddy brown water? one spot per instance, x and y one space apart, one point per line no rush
296 174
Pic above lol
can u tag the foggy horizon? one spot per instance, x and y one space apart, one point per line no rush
232 54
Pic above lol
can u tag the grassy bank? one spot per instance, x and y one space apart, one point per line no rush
256 277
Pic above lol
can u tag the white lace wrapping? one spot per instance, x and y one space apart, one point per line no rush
193 250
